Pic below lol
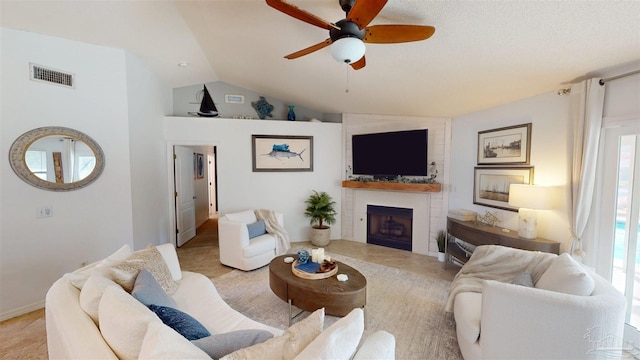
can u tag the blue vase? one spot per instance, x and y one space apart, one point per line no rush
303 256
291 116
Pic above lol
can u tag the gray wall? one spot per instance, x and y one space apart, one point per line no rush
187 99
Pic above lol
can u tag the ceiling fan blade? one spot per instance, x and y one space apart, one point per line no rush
359 64
363 11
300 14
388 34
309 50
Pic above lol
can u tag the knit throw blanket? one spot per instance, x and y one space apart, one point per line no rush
274 228
500 263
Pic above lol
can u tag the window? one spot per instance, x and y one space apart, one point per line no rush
37 162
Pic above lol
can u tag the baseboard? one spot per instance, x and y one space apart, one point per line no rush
21 310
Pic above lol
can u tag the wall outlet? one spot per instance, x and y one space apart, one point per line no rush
44 211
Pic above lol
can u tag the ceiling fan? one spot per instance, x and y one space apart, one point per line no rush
347 36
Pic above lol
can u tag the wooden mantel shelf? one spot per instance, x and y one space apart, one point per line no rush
392 186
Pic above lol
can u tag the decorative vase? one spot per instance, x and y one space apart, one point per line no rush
292 115
441 256
303 256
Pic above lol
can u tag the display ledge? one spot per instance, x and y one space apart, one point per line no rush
390 185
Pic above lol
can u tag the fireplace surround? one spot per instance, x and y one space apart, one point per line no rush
390 226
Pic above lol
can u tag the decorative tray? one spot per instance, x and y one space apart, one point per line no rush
311 275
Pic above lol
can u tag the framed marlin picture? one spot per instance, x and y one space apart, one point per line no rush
282 153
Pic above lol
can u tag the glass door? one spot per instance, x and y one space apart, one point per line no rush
621 212
626 254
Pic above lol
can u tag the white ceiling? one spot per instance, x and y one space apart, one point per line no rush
484 53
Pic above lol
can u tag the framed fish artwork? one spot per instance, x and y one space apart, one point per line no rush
282 153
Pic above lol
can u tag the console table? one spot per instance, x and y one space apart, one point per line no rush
482 234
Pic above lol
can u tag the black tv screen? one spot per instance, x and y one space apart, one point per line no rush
390 154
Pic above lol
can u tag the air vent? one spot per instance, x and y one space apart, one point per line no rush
52 76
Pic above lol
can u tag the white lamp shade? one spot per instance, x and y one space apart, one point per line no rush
347 50
531 196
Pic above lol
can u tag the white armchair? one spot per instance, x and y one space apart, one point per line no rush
508 321
237 248
523 323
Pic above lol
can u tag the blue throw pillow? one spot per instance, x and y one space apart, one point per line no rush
147 290
256 229
181 322
219 345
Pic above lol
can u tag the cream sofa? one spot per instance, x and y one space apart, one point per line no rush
499 319
127 329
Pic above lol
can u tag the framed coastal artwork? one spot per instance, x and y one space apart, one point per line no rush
491 184
282 153
507 146
199 166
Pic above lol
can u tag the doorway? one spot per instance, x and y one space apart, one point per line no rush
193 190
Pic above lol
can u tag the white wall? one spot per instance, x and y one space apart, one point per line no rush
240 188
89 223
120 104
550 148
149 99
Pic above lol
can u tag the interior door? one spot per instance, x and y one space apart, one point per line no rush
184 193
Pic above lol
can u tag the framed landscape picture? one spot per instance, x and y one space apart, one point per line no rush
508 145
491 184
282 153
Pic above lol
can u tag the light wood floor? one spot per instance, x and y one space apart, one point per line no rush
24 337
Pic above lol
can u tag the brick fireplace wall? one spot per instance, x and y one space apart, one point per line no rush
432 206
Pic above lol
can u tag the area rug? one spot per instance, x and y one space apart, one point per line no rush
408 305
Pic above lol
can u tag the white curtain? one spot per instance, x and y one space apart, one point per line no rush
68 160
587 102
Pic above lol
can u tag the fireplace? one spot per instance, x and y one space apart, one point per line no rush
390 226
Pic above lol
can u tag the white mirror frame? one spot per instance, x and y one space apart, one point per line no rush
23 142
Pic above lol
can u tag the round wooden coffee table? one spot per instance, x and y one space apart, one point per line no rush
337 298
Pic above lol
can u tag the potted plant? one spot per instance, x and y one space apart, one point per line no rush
442 238
321 213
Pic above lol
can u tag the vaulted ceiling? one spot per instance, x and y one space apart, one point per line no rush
483 53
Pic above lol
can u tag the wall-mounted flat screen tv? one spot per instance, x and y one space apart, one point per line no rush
391 154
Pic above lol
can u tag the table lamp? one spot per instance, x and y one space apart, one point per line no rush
529 198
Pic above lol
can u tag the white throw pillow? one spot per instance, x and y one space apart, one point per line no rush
163 343
286 346
80 276
91 294
126 272
302 333
339 341
168 252
567 276
123 322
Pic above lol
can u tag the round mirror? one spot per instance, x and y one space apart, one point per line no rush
56 158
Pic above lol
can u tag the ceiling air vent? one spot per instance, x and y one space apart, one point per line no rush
44 74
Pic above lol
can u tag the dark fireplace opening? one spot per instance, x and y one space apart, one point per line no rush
389 226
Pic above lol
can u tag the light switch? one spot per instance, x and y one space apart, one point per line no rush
45 211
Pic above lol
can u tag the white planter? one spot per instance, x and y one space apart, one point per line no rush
441 256
320 237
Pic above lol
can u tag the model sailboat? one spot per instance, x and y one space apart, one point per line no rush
207 107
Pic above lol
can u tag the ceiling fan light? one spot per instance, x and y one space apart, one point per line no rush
347 50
